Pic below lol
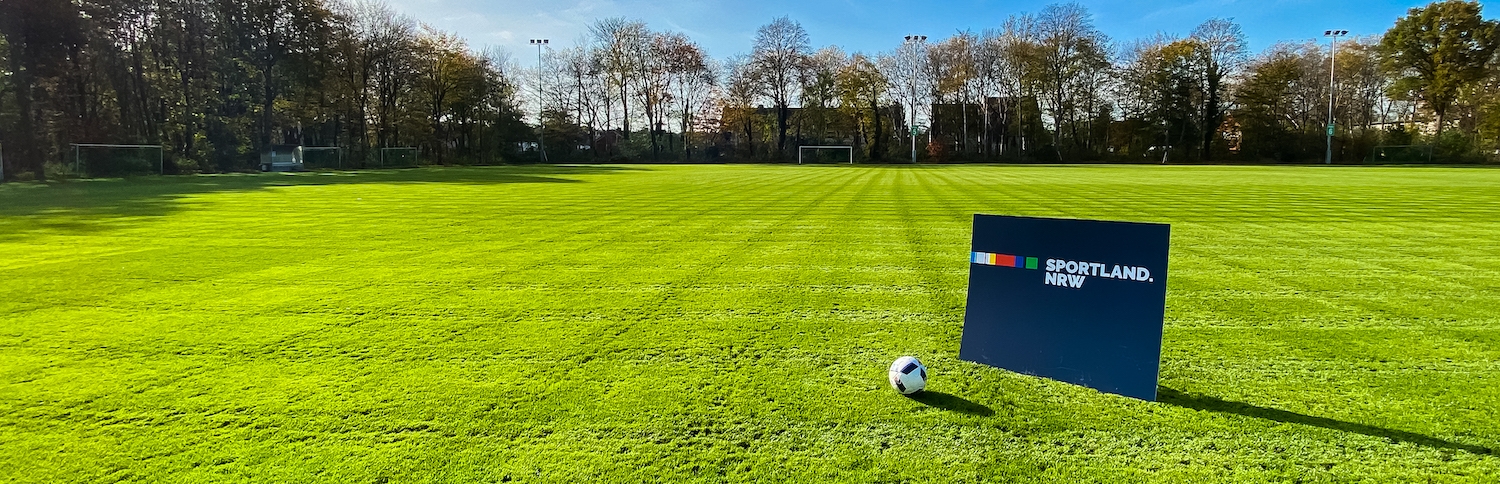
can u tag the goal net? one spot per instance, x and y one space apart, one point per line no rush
1401 154
92 159
326 157
825 154
397 157
111 160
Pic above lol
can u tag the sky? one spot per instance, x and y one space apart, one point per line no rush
726 28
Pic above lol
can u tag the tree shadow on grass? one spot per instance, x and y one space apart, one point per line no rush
81 207
1213 404
952 403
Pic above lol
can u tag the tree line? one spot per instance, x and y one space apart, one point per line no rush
217 82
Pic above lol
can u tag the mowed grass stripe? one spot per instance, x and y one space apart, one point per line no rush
729 323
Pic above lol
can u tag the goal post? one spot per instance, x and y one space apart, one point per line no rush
395 156
338 154
121 168
801 149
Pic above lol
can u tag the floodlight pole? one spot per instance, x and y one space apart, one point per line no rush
541 131
1333 50
914 41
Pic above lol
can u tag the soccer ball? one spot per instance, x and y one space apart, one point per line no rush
908 375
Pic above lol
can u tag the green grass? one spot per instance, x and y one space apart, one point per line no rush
730 323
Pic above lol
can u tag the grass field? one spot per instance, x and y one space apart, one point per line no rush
730 323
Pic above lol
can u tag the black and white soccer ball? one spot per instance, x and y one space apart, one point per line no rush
908 375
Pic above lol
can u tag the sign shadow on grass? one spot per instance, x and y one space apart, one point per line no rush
1213 404
952 403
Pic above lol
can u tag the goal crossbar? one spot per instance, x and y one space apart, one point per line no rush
821 147
77 156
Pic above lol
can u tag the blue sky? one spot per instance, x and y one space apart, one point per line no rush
727 27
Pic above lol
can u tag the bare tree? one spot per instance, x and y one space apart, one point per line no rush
1070 56
444 70
779 57
1362 85
742 88
906 69
655 90
386 42
1223 52
952 70
619 43
583 91
692 73
1006 56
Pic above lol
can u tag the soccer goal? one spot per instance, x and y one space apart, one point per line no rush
802 149
99 159
398 156
1401 154
323 156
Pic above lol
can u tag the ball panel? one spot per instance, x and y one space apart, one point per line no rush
900 363
908 375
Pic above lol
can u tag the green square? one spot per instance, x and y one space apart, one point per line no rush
1031 263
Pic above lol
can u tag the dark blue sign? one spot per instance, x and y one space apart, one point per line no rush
1079 301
